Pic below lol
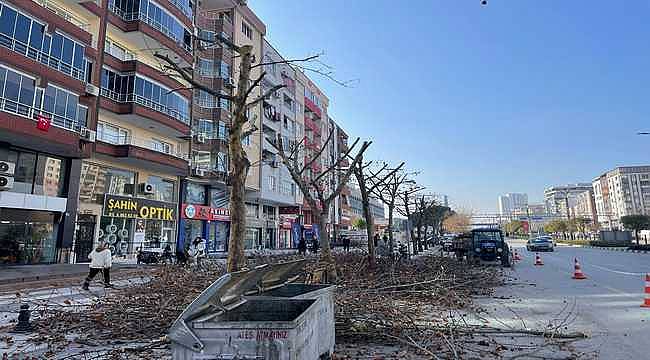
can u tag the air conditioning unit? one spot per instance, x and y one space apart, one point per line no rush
146 188
87 134
200 138
276 94
6 182
7 168
199 172
92 90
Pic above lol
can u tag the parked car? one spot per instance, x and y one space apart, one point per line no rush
540 244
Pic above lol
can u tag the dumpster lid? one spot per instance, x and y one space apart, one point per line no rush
279 274
227 293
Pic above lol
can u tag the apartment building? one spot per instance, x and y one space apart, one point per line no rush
622 191
204 195
560 199
313 106
585 206
46 109
356 207
511 202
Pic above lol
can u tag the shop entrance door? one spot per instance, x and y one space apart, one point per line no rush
84 237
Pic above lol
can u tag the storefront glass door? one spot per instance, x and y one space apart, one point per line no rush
27 237
219 231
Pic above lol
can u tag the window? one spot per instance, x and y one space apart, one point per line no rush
246 30
224 70
25 99
206 128
112 134
202 159
223 131
21 33
222 162
195 194
206 68
252 238
121 87
252 210
269 212
163 189
272 181
161 146
97 180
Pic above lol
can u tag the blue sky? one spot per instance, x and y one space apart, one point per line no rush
512 97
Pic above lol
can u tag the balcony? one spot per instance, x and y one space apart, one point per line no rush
145 32
143 153
311 125
18 127
311 144
145 113
309 105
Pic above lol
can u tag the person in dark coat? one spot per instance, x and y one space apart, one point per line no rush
346 243
302 246
376 239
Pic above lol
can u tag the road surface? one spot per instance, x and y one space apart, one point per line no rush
606 305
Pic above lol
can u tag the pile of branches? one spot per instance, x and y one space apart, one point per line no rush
138 313
393 297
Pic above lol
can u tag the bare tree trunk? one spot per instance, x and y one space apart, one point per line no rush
325 249
238 166
370 226
390 229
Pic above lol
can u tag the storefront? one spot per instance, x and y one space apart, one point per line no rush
130 210
211 224
288 221
33 206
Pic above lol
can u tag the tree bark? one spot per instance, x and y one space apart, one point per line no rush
238 166
370 223
324 239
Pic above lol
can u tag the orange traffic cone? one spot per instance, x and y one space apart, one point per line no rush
538 260
646 303
577 272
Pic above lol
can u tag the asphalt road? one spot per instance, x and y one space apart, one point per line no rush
606 305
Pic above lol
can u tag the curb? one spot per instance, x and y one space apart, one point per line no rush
609 248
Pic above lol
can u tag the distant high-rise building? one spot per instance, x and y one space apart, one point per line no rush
510 202
560 199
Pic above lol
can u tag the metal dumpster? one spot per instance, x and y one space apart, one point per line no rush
257 314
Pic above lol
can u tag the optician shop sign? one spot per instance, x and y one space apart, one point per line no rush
200 212
135 208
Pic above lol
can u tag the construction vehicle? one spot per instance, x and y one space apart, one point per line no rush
482 246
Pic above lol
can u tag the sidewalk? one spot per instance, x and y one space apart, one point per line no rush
29 273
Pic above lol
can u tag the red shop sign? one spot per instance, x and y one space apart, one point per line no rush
201 212
43 122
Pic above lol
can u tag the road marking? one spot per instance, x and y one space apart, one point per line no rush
616 271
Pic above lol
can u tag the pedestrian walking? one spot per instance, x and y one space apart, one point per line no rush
385 238
167 254
302 246
376 239
346 243
197 251
100 261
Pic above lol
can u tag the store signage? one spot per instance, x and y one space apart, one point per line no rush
289 210
201 212
136 208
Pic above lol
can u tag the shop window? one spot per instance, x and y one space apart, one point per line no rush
195 194
27 237
117 233
50 176
252 238
36 173
269 212
219 198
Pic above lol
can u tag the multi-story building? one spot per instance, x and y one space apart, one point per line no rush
622 191
110 154
313 110
130 184
585 206
559 199
46 61
510 202
356 207
204 195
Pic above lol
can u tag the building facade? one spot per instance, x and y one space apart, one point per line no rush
622 191
356 206
560 199
510 202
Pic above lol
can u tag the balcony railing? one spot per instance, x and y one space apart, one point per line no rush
133 16
57 9
32 113
187 12
45 59
143 143
141 100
